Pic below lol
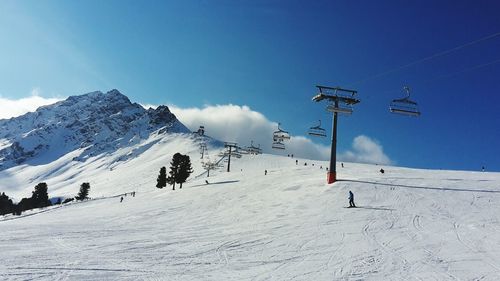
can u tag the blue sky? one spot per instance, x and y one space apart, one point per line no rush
269 55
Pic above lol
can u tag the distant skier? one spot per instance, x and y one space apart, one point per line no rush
121 199
296 162
265 172
351 200
482 168
342 164
206 181
382 171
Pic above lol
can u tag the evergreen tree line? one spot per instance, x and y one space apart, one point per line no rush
180 170
39 199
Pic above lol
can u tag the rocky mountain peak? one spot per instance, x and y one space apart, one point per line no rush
94 121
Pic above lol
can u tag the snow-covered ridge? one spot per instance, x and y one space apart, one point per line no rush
96 122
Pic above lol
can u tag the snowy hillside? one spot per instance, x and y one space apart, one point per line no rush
287 225
93 123
110 172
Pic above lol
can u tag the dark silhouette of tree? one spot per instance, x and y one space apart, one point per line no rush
185 170
171 181
174 169
24 204
6 205
161 181
84 191
40 197
180 170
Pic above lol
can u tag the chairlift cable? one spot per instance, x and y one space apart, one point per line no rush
436 55
463 71
451 74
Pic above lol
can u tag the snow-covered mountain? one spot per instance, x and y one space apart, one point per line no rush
96 122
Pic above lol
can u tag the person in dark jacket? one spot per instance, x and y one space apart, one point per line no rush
351 199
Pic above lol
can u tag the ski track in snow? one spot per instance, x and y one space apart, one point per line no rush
289 225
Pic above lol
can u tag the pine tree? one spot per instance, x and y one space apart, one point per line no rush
161 181
40 197
84 191
174 169
185 170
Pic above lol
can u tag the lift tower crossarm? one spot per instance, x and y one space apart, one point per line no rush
337 94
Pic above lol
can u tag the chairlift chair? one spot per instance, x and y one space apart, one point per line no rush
404 106
254 149
317 131
278 145
280 134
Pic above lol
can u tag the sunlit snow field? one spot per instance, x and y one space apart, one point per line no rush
288 225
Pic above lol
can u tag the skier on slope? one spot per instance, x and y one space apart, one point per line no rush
351 200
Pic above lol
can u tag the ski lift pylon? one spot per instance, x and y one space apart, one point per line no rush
404 106
317 131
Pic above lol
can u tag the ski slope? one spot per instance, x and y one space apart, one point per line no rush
288 225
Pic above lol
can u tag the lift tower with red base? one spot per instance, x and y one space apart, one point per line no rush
339 101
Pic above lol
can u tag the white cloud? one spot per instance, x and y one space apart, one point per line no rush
232 123
13 108
229 123
241 124
366 150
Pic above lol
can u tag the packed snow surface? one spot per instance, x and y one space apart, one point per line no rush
288 225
